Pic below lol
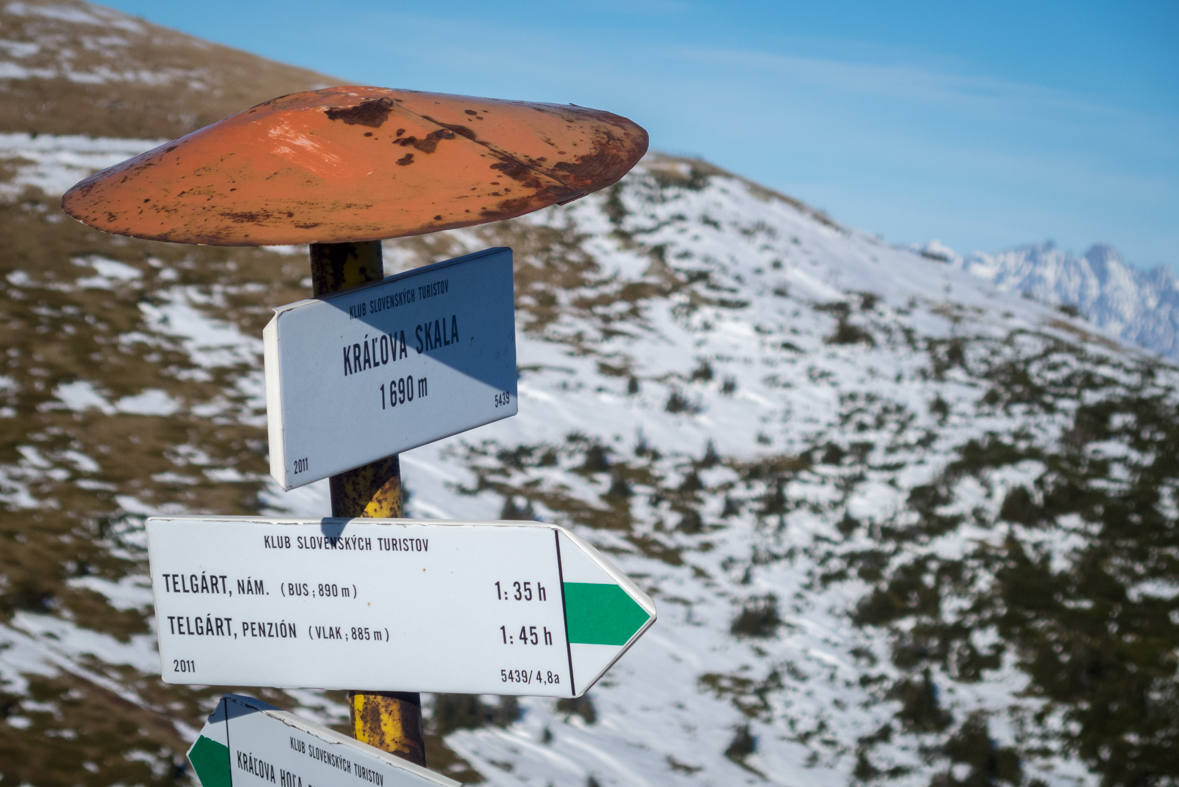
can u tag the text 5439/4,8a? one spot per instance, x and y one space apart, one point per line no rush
529 677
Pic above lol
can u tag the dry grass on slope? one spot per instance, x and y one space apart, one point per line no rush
69 67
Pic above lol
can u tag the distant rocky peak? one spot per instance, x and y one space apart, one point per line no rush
1103 254
1136 305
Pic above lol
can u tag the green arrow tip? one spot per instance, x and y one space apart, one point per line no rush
600 614
210 760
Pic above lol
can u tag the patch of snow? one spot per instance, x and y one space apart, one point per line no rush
97 16
209 343
110 273
9 70
81 395
153 401
62 645
82 462
130 592
20 48
1155 589
226 475
54 164
936 250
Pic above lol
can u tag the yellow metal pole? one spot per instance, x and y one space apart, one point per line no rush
391 721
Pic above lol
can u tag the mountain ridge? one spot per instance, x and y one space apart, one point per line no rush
1138 305
902 527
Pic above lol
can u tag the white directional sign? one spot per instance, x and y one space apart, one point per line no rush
248 743
390 366
388 605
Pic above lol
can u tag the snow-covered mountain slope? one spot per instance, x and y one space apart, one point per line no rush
1139 306
901 527
70 67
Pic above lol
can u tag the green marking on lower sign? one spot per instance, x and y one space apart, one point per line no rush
210 760
601 614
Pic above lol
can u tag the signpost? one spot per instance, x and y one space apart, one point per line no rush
379 369
407 605
334 168
248 743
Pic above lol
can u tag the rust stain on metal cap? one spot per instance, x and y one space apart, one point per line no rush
358 163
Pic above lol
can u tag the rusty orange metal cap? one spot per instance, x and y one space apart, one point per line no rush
358 163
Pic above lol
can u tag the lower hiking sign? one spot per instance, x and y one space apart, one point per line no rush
246 742
388 604
387 367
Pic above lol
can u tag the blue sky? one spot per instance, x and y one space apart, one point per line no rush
984 125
